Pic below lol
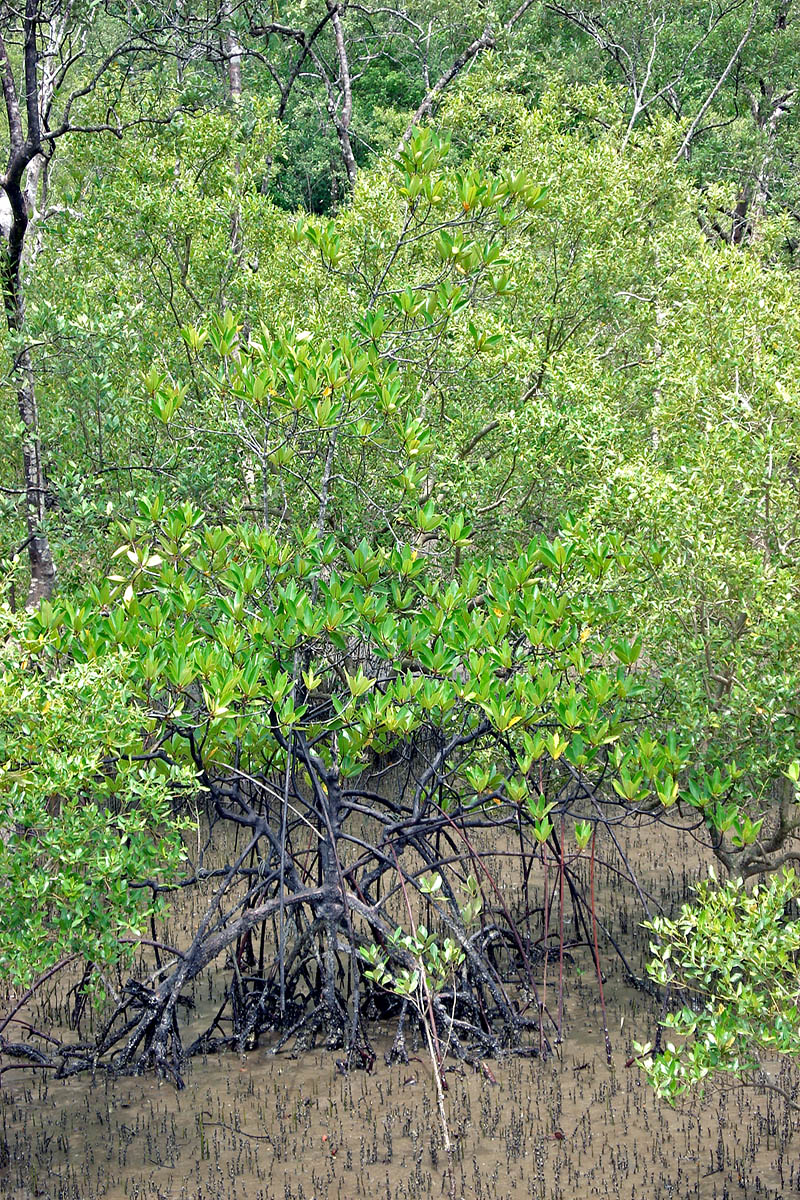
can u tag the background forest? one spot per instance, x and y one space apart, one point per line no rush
395 384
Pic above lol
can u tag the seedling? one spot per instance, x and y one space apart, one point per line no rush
431 966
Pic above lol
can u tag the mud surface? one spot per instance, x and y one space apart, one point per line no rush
273 1127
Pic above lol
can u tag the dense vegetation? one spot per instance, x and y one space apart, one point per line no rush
400 453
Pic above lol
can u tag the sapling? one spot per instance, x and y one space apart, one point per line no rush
431 966
734 956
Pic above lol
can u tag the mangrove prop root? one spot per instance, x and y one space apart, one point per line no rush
326 871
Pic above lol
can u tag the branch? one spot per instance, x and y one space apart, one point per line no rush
485 42
215 943
479 436
64 962
306 43
12 104
683 151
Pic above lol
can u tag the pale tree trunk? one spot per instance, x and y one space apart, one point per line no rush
769 105
779 107
341 120
233 54
233 63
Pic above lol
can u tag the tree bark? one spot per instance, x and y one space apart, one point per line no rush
485 42
23 149
341 120
40 557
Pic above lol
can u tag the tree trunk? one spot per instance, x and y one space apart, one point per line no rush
341 120
42 567
25 151
233 62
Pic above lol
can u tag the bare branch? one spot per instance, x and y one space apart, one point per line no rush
485 42
690 133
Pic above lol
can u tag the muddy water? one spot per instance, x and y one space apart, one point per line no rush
270 1127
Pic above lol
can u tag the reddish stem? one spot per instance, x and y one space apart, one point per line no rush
561 935
543 1004
597 952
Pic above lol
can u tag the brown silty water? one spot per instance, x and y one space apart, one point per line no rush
261 1126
